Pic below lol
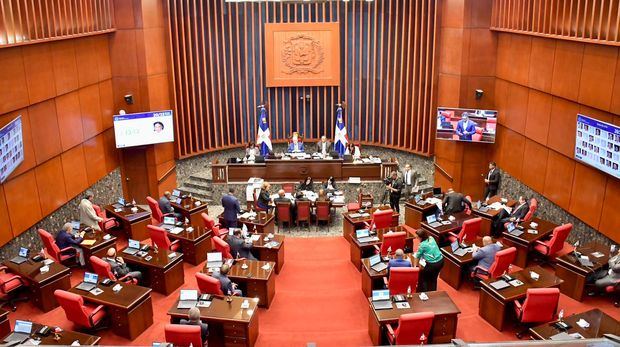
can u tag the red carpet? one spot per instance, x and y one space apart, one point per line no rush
318 299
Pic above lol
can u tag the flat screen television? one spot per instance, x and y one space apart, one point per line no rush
598 144
470 125
11 148
138 129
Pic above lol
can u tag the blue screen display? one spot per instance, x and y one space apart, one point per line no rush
598 144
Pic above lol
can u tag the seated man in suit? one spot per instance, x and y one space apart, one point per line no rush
465 128
296 146
516 215
239 248
607 276
454 202
194 319
118 266
166 207
231 208
65 238
398 260
485 255
324 146
227 286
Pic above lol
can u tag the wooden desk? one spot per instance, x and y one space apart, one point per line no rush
349 225
133 224
189 210
372 279
254 281
130 310
574 274
440 233
444 325
42 286
5 325
600 324
489 215
525 242
365 171
162 273
360 250
229 324
274 254
415 214
195 244
496 306
456 268
263 223
63 338
99 248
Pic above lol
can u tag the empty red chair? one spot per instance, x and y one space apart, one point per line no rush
500 265
9 285
469 231
613 290
540 306
210 224
104 270
157 217
392 242
183 335
66 255
551 247
208 284
283 214
413 329
531 211
107 223
159 236
221 246
303 212
323 213
402 278
85 315
380 219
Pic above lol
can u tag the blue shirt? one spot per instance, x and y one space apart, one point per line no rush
64 239
399 263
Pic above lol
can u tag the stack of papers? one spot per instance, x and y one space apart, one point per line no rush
176 230
88 242
355 180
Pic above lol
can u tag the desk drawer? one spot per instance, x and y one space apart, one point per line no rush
235 330
235 342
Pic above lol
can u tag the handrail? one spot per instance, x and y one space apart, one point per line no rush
444 172
165 175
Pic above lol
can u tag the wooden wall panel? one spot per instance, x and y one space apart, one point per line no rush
50 178
74 171
95 158
567 69
562 128
538 114
610 218
64 66
588 190
597 76
38 65
6 233
22 195
560 171
534 165
541 64
69 120
13 87
45 131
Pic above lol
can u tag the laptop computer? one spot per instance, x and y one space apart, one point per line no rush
381 299
188 298
90 282
133 247
432 221
457 250
436 191
214 259
513 230
22 256
376 263
176 193
585 261
75 225
21 332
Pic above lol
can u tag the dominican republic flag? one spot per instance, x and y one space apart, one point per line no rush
340 133
263 139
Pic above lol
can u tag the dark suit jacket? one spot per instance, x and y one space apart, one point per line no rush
328 147
225 283
231 207
397 184
238 246
494 179
165 206
455 202
465 132
263 198
64 239
519 212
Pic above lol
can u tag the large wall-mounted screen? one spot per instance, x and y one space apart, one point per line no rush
459 124
137 129
11 147
598 144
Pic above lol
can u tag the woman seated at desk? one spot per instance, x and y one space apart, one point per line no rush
330 184
308 184
263 201
251 151
353 150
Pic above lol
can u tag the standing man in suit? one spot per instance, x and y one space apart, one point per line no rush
324 146
465 128
516 215
491 181
454 202
88 216
231 208
395 188
409 180
166 207
239 248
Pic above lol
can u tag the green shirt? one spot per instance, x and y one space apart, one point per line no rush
429 251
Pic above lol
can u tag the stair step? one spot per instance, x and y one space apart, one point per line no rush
202 176
199 185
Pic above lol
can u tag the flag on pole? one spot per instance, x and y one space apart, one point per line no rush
263 139
340 133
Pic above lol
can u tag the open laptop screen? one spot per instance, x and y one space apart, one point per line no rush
22 326
134 244
510 227
170 220
214 256
362 233
454 245
176 193
90 277
430 219
380 295
189 294
23 252
375 259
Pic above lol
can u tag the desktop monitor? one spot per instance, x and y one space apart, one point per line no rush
469 125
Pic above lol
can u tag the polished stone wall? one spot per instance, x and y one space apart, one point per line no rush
107 189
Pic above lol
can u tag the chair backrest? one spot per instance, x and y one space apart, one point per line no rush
102 267
412 327
502 261
73 305
183 335
283 211
560 234
208 284
540 305
221 246
382 218
393 241
303 210
156 213
323 212
159 236
470 230
402 278
288 187
532 210
50 244
208 220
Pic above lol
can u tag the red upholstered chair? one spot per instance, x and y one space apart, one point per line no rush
613 290
303 212
469 231
413 329
65 256
183 335
221 246
104 270
288 187
361 200
85 315
402 278
392 242
283 214
380 219
477 137
552 247
9 285
540 306
208 284
107 223
500 265
323 213
532 210
159 237
210 224
157 217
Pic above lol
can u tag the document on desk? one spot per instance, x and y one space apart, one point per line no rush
176 230
597 254
88 242
501 284
508 209
255 238
515 283
403 305
203 303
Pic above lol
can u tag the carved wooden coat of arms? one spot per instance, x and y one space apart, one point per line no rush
302 54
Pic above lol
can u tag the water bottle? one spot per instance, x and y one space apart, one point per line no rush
561 315
422 338
409 292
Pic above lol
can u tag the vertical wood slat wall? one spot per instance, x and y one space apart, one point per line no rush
31 21
593 21
387 64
